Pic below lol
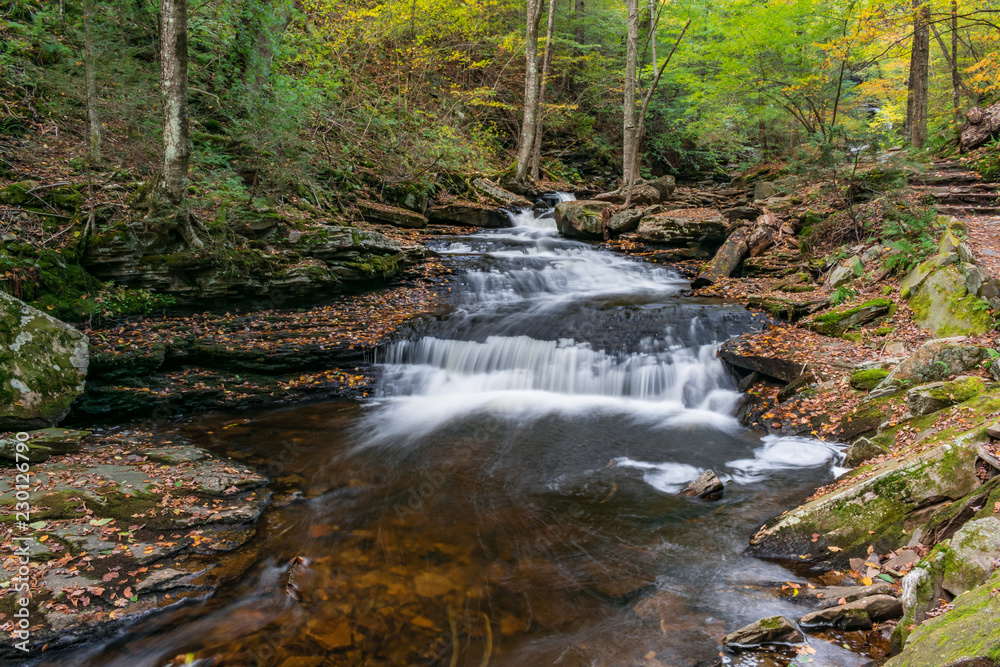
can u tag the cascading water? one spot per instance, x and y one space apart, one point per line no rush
511 495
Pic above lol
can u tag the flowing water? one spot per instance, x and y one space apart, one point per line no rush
511 496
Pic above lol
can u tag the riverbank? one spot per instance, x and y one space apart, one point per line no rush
801 382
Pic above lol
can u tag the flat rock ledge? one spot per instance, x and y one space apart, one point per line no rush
124 527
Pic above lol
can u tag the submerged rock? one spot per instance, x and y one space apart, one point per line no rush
43 364
707 484
773 630
859 615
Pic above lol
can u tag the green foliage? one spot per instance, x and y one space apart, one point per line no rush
117 301
911 234
841 294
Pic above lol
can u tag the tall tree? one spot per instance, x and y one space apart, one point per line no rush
173 93
630 142
536 154
90 78
916 91
526 141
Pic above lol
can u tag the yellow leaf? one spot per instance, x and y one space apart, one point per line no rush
867 581
834 549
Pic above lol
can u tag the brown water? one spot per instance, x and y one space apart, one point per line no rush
511 498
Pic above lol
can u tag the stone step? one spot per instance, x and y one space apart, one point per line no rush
960 211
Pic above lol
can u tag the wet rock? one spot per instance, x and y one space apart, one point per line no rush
778 368
829 596
873 510
837 322
467 214
935 396
859 615
904 559
773 630
862 450
740 213
43 364
501 196
582 218
702 229
726 260
42 443
398 217
707 484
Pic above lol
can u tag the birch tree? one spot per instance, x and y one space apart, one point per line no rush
173 175
536 155
526 141
630 142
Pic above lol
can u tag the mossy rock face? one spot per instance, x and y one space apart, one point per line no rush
43 364
943 305
868 379
935 396
937 360
966 635
976 546
876 510
582 219
18 194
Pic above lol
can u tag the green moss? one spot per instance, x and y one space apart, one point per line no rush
838 316
884 331
868 379
772 623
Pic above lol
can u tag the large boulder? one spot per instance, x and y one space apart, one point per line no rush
498 194
936 360
875 510
980 125
703 229
965 636
467 214
943 305
43 364
625 221
582 218
976 549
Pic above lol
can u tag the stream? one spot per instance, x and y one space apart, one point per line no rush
511 495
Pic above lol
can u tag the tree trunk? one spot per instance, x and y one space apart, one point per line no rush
652 35
630 141
93 120
916 94
173 91
536 155
956 81
526 141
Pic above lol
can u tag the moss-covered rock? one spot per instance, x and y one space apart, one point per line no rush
943 305
976 547
935 396
877 510
43 364
968 634
936 360
583 218
837 322
868 379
